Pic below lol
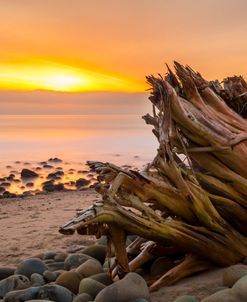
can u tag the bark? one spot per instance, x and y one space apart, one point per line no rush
197 206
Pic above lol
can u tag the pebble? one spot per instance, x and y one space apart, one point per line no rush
50 276
13 282
96 251
26 173
233 273
74 260
82 182
186 298
5 272
103 278
56 266
225 295
91 287
70 280
160 266
22 295
83 298
37 279
29 266
240 289
60 257
49 255
89 268
132 286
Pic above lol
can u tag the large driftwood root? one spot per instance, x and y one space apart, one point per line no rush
191 200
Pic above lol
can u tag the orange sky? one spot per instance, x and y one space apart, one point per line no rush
95 45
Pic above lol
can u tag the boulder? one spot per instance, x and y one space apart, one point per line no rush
70 280
225 295
240 289
91 287
81 182
14 282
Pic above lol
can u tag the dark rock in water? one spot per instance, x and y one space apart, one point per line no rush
91 287
7 194
132 286
29 266
103 278
96 251
30 184
233 273
5 184
47 166
59 168
83 298
16 180
89 268
69 280
2 178
26 173
14 282
82 182
55 175
9 167
26 164
74 260
5 272
17 162
38 168
2 189
55 160
50 187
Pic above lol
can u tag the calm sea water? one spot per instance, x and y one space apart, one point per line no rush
77 138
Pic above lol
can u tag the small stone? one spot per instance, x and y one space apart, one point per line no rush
225 295
55 160
160 266
82 182
22 295
240 289
2 189
186 298
103 278
91 287
26 173
83 298
56 293
138 300
74 260
50 276
60 257
37 280
5 272
30 184
70 280
89 268
132 286
49 255
55 266
14 282
30 266
47 166
96 251
233 273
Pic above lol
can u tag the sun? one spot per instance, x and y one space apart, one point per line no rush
64 82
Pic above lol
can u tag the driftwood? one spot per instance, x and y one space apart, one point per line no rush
191 200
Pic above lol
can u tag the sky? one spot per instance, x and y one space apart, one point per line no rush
94 45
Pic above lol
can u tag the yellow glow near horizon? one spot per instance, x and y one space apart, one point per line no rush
58 77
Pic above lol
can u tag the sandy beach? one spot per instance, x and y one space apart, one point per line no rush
29 226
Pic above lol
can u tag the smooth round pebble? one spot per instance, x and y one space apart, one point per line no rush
233 273
55 266
49 255
96 251
103 278
60 257
14 282
240 289
186 298
70 280
37 279
55 292
89 268
22 295
225 295
132 286
91 287
83 298
50 276
29 266
160 266
74 260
